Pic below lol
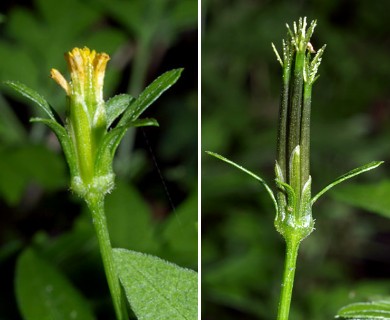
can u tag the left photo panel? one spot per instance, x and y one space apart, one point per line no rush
98 160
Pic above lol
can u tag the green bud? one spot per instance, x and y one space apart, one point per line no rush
87 119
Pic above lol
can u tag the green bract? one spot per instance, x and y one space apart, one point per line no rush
293 200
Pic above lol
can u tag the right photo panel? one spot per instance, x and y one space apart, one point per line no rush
295 151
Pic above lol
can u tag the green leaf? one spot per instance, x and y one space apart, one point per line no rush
150 94
348 175
379 309
156 289
43 293
66 143
271 194
116 105
33 96
371 197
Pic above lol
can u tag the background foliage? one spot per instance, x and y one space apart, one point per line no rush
347 258
144 213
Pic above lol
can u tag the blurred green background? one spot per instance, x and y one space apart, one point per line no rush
153 208
347 258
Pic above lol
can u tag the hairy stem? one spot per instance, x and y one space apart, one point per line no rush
95 203
292 246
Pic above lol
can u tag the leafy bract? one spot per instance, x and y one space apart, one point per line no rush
33 96
271 194
375 310
150 94
116 105
156 289
43 293
348 175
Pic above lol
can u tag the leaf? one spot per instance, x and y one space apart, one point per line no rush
150 94
348 175
379 309
66 143
33 96
271 194
371 197
116 105
43 293
156 289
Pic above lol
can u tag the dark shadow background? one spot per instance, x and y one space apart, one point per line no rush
346 259
154 206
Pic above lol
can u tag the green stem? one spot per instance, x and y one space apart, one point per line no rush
292 246
95 203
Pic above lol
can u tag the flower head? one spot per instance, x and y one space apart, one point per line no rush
94 128
86 109
87 69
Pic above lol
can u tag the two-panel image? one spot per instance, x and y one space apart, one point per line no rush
187 160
